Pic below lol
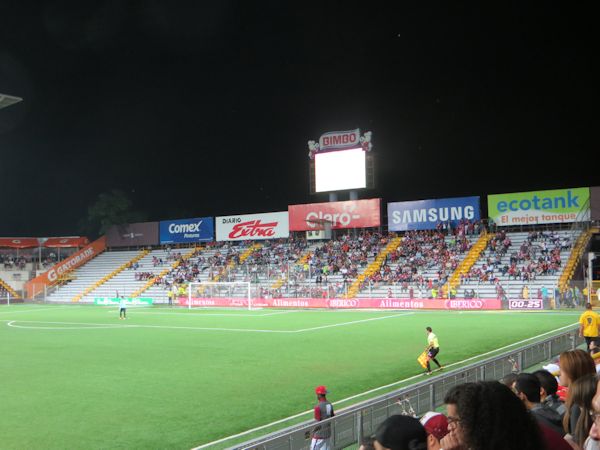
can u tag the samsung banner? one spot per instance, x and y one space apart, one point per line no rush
253 226
538 207
427 214
199 229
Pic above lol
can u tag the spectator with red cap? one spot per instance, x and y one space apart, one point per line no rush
436 426
323 410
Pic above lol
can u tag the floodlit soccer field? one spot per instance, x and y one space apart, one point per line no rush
76 376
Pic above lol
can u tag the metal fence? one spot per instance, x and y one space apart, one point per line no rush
349 426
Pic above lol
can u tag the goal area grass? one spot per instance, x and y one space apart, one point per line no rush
75 376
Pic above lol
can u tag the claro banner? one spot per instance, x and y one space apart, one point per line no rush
553 206
200 229
36 285
253 226
350 303
349 214
426 214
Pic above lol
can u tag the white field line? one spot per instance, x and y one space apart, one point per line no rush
87 327
241 330
197 314
295 416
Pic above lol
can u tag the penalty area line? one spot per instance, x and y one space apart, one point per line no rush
396 383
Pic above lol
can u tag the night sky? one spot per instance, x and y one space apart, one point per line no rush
204 108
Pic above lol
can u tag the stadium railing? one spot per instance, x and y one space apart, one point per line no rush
351 424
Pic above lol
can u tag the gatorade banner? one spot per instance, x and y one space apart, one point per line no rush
539 207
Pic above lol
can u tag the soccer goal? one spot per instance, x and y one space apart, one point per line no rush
232 293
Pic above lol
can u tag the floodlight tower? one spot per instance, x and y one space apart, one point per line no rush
7 100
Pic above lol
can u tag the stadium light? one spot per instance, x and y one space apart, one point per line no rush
7 100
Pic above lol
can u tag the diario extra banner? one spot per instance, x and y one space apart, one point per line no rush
539 207
253 226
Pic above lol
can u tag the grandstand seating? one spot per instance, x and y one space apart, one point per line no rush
417 263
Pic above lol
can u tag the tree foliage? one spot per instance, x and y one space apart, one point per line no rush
111 208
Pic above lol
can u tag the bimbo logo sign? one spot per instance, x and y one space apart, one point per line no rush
253 227
340 140
350 214
187 230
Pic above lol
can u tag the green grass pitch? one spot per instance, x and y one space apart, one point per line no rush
76 376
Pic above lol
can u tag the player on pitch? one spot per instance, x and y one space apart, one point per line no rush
433 348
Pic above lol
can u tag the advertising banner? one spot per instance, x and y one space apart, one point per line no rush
539 207
529 304
131 301
199 229
132 234
426 214
253 226
351 303
348 214
65 266
595 202
339 140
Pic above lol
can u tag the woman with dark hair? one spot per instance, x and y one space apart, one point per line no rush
487 415
580 397
574 364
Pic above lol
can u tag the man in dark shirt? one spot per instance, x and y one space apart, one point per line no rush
527 387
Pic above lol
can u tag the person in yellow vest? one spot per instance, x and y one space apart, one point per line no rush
589 323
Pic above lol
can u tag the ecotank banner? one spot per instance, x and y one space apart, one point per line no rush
539 207
199 229
427 214
253 226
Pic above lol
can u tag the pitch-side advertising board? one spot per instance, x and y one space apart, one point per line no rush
427 214
348 214
199 229
253 226
529 304
539 207
131 301
351 303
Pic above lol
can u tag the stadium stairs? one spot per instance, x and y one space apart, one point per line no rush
150 289
468 262
8 288
94 288
513 287
374 266
300 263
89 273
578 249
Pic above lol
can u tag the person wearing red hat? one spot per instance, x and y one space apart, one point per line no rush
323 410
436 426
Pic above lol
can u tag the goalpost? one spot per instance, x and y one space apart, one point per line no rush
214 289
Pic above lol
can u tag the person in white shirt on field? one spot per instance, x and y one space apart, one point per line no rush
122 308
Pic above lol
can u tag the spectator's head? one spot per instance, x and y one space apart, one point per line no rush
509 380
401 433
436 426
367 443
581 393
321 391
527 388
595 430
573 365
548 383
487 415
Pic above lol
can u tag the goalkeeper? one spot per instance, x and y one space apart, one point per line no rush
433 348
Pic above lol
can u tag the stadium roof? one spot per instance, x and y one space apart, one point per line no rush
7 100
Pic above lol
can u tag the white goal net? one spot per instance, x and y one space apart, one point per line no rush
222 293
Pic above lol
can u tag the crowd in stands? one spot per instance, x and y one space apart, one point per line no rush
11 262
524 411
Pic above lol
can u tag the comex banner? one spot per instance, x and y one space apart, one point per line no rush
199 229
426 214
253 226
553 206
